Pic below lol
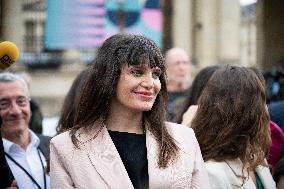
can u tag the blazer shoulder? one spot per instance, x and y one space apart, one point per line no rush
62 139
180 131
183 135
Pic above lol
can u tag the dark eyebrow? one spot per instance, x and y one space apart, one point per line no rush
4 99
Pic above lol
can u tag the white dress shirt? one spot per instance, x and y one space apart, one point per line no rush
29 159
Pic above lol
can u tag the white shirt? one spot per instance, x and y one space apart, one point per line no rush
29 160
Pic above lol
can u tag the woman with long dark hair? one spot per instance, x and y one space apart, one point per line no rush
120 138
232 128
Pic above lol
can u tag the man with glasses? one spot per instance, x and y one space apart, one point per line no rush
178 72
22 147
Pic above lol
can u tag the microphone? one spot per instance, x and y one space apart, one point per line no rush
9 53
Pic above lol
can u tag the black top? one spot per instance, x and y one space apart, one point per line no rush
133 153
5 171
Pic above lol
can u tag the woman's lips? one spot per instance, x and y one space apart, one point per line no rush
145 95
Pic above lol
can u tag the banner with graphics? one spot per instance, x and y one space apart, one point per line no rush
85 24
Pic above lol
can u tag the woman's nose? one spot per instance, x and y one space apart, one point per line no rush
148 81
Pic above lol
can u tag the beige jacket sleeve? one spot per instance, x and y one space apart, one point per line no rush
59 175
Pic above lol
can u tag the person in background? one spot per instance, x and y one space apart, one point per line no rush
278 171
177 69
120 137
21 145
190 108
276 112
190 105
277 138
232 128
276 133
35 123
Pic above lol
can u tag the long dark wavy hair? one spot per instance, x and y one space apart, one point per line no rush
232 120
101 83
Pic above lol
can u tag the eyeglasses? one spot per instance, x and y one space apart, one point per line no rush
21 101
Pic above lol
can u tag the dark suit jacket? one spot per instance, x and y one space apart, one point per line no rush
5 172
276 112
44 145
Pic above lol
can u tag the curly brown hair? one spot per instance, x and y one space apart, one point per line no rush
232 119
101 83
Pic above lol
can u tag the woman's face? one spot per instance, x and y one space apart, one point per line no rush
138 87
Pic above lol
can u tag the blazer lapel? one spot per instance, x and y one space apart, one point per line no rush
174 176
152 154
105 159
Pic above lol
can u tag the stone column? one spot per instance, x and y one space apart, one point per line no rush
13 26
270 26
182 17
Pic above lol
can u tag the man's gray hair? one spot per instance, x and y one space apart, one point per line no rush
6 77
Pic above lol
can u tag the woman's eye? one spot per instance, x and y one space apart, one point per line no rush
156 74
136 73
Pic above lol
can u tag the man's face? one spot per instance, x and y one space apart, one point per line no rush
178 65
14 108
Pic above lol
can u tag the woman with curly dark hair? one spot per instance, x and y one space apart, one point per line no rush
120 138
232 128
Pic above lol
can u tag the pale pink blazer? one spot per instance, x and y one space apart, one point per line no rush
97 163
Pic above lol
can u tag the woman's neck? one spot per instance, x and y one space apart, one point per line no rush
125 122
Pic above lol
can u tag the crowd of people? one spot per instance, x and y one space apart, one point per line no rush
134 119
